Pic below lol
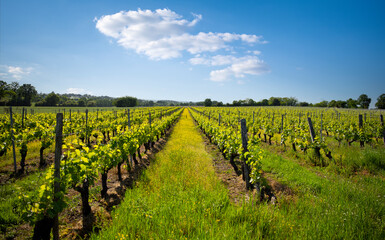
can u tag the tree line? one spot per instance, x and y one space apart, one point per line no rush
363 101
14 94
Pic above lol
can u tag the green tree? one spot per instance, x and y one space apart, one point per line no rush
273 101
332 103
351 103
341 104
380 104
51 99
288 101
13 87
264 102
5 92
126 102
321 104
81 103
250 102
63 100
25 93
303 104
208 102
364 101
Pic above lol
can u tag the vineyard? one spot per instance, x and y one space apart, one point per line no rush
309 172
90 144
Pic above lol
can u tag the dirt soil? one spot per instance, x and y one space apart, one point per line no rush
31 165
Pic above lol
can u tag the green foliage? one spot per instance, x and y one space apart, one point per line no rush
380 104
208 102
20 95
82 163
125 102
321 104
351 103
273 101
364 101
51 99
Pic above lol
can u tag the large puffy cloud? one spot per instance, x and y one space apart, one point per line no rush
163 34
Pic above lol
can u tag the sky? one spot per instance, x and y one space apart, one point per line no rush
193 50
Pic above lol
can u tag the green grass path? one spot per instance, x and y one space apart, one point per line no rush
179 196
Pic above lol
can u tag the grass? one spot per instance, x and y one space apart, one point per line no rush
329 205
9 194
179 197
346 160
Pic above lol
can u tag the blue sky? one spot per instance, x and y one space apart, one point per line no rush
192 50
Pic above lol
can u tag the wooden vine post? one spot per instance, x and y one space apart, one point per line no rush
22 118
13 140
360 124
321 129
58 153
383 129
86 140
219 119
149 118
128 118
246 168
311 129
282 123
312 135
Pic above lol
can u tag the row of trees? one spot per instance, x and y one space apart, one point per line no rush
73 100
363 101
15 95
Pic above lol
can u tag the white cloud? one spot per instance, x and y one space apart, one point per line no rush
221 75
78 91
163 34
238 67
216 60
255 52
14 72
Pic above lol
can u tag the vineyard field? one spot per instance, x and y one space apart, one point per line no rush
295 172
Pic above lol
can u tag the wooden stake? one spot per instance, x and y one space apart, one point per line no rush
149 118
22 119
360 124
246 168
128 118
13 140
58 153
382 124
311 129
